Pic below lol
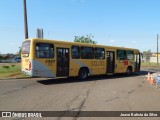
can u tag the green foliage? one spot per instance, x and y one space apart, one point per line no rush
13 65
19 52
10 68
85 39
4 57
12 71
149 64
5 67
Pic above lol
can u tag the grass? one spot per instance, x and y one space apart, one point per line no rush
10 70
148 64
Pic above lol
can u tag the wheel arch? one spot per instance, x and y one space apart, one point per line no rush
130 67
86 68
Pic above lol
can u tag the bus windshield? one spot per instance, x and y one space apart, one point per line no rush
25 49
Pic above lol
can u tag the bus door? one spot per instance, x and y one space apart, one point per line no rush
62 62
137 62
110 62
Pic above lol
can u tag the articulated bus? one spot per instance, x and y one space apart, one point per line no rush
58 59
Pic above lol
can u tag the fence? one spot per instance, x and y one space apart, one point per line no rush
154 59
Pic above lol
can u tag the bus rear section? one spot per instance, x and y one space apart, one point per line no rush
38 58
25 61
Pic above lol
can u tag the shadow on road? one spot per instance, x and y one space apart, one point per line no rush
91 78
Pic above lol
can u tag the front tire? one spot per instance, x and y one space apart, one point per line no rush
83 74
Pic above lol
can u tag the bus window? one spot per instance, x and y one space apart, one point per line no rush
75 52
99 53
87 53
44 50
121 54
25 49
130 55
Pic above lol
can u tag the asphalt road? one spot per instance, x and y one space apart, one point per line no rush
97 93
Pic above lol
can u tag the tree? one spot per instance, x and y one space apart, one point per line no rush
1 57
19 52
85 39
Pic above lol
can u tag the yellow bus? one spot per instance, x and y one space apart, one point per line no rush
57 59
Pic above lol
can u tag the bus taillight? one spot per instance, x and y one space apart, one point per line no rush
30 65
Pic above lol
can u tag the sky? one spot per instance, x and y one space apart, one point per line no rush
123 23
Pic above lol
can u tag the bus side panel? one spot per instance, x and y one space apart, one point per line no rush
121 66
96 67
43 65
41 68
75 65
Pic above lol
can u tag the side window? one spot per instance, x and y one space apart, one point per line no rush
87 52
130 55
44 50
99 53
121 54
75 52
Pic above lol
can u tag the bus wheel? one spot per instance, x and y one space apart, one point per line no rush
83 73
129 71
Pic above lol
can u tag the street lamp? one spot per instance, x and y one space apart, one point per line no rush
157 49
25 20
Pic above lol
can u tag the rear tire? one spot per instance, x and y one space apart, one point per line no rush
129 71
83 74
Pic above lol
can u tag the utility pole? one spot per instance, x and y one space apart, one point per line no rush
157 49
25 20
